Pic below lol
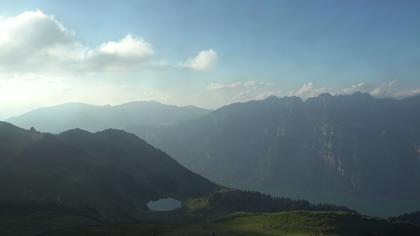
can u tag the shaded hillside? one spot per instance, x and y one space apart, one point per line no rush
350 149
111 171
32 217
128 116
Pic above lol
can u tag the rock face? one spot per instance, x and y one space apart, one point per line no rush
341 149
111 171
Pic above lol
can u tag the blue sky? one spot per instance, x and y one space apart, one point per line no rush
249 50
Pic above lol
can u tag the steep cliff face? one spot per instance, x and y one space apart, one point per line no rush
351 144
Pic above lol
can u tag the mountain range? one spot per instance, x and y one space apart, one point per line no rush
353 150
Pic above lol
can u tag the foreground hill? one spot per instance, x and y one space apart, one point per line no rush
302 223
43 217
354 150
113 172
225 212
128 116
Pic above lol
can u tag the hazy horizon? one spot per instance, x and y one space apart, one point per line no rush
187 105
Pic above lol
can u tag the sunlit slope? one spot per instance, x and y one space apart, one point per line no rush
294 223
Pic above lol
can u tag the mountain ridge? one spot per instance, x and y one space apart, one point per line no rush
351 145
138 114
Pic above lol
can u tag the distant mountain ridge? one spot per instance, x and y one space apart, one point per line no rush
355 150
127 116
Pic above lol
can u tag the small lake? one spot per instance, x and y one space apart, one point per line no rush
164 204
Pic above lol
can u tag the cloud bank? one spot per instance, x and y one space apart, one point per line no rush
241 91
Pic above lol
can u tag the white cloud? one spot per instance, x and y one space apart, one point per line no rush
362 87
28 38
204 60
120 55
241 91
387 89
33 40
408 93
309 90
129 46
34 29
234 85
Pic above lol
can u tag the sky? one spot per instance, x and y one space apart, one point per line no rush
204 53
